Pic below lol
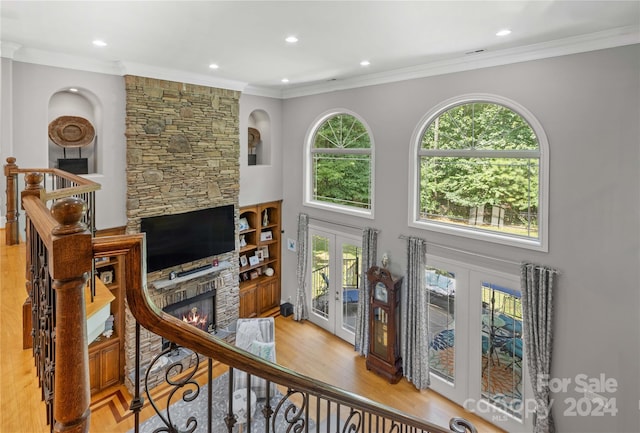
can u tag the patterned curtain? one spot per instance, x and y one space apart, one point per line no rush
537 323
300 309
369 258
414 324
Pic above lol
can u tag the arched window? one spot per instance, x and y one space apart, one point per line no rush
339 164
481 172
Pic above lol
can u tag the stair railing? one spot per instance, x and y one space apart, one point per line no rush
304 406
48 184
60 254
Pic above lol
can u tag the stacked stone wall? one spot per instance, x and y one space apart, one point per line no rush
182 155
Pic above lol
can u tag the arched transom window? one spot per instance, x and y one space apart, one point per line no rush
481 172
339 165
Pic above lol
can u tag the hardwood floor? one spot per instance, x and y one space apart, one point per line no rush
300 346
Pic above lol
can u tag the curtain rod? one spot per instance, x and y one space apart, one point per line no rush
457 250
337 223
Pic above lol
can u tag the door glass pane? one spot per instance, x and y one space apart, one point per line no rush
350 283
320 276
441 292
502 348
379 331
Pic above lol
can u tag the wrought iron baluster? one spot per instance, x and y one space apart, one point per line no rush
138 400
291 414
209 395
267 410
172 376
353 423
230 419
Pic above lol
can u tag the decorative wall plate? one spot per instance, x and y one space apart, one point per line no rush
254 137
71 131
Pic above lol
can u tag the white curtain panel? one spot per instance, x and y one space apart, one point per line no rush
300 311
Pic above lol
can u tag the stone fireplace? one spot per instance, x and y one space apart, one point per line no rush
182 155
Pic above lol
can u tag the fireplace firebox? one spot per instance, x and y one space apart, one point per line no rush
199 311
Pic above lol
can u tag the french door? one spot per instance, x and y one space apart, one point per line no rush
476 352
334 277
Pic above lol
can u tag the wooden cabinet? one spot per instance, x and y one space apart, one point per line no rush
260 243
248 301
106 355
104 364
269 294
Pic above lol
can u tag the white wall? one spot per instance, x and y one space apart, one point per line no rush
6 117
589 106
31 88
263 182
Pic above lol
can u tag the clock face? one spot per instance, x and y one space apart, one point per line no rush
380 292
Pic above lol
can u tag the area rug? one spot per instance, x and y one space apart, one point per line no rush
182 411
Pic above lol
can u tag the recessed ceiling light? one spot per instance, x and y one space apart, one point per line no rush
213 66
291 39
73 89
99 43
285 80
365 63
503 32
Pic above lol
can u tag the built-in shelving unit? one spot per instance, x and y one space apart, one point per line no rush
259 274
106 354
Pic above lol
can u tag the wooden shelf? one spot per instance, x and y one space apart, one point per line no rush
103 341
166 283
248 247
262 294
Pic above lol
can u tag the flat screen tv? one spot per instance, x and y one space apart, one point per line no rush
177 239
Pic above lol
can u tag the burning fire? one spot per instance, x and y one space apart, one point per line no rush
195 319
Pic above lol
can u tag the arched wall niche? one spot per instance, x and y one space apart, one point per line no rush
260 120
82 103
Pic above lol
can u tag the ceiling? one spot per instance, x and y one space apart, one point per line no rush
178 40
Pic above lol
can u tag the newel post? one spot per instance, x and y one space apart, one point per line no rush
11 226
70 266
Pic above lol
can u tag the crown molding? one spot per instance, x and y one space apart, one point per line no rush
19 53
59 60
8 49
267 92
578 44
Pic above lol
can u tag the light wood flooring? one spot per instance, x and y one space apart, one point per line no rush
300 346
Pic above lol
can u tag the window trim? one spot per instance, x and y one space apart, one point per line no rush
308 167
540 244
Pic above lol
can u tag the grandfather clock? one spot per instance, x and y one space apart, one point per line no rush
384 342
